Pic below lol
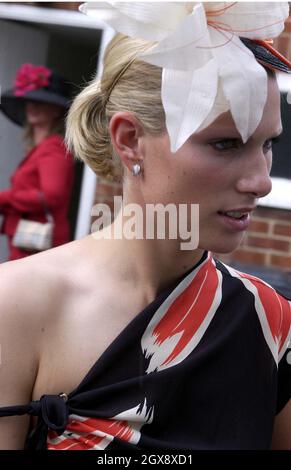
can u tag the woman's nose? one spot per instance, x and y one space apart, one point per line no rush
255 177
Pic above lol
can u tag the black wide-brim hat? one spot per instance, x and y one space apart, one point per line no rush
58 92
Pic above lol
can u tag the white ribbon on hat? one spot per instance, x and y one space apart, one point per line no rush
207 70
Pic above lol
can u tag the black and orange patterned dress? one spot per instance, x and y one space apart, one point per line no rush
205 366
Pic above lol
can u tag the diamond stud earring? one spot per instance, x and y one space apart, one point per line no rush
136 169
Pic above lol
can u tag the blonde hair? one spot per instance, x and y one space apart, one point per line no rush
127 84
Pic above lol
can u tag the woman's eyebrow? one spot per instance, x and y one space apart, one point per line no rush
221 131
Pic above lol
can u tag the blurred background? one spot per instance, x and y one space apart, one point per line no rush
57 35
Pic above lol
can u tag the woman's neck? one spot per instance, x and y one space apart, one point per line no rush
151 265
40 133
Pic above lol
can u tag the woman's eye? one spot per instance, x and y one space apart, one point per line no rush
230 144
226 144
268 145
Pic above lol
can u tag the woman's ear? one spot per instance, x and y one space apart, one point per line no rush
126 131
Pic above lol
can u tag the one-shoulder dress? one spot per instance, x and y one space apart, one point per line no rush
207 365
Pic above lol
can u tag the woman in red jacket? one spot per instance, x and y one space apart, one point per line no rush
44 178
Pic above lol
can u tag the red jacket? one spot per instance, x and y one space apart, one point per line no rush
49 168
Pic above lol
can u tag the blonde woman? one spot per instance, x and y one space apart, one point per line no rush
133 342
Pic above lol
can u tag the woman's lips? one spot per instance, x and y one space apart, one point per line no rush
235 223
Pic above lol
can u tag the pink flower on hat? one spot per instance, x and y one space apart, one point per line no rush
31 77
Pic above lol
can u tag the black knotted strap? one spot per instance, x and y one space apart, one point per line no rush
51 409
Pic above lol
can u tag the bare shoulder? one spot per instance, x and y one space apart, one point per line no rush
19 325
29 282
32 286
22 283
31 290
36 290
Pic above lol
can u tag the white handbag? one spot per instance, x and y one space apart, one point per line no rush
34 236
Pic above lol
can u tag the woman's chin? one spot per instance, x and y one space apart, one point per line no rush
33 121
223 246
